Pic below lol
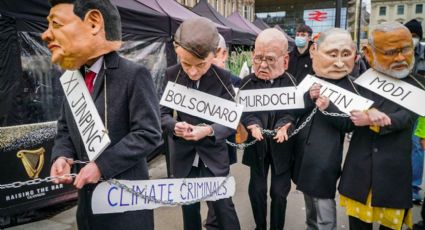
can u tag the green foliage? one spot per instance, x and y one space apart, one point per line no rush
236 60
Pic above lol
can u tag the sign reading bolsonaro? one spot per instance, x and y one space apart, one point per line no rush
202 105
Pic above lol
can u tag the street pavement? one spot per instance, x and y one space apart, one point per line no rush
171 217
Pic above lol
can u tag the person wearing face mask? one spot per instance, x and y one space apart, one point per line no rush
270 59
318 146
415 29
299 59
375 184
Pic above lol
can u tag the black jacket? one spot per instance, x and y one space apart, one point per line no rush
281 153
300 64
134 130
319 146
381 162
213 151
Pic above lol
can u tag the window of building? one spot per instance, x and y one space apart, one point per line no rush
419 8
245 11
216 5
400 9
382 11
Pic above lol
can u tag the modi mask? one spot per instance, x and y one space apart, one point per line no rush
74 42
391 53
334 57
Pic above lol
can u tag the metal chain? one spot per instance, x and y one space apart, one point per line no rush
115 182
242 146
272 133
19 184
334 114
153 199
307 120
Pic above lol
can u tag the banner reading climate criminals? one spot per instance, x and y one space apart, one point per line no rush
108 198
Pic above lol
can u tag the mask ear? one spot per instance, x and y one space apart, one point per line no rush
368 52
225 55
95 20
313 49
286 61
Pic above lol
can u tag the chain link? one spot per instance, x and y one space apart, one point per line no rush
19 184
334 114
242 146
307 120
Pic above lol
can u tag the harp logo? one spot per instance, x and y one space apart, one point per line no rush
33 161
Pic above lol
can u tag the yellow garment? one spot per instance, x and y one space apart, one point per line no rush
420 128
389 217
375 128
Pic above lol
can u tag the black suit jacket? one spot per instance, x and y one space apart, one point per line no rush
381 162
134 130
212 150
319 147
281 153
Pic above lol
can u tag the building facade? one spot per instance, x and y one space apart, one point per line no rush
401 11
246 8
319 14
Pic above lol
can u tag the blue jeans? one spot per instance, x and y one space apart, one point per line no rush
417 166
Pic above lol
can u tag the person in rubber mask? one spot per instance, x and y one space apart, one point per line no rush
299 58
318 147
375 185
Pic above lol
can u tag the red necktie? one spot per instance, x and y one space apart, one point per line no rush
90 75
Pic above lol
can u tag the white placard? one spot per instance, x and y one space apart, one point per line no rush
108 198
271 99
85 114
345 100
396 90
202 105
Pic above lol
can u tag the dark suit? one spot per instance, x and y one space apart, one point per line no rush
381 162
267 154
319 146
134 130
212 151
211 222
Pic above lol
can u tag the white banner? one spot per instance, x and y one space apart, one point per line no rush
345 100
202 105
109 198
398 91
271 99
85 114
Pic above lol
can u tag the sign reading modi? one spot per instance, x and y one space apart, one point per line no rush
396 90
